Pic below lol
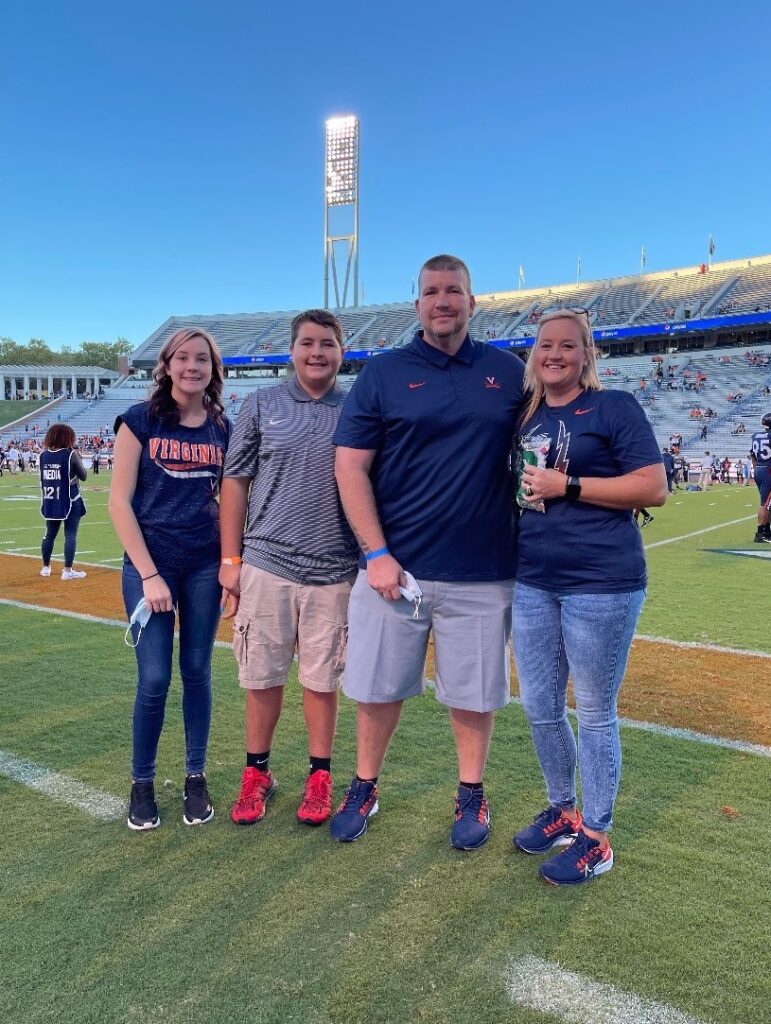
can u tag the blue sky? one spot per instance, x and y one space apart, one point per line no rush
166 158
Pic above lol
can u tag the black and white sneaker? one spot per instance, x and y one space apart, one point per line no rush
198 806
143 810
647 520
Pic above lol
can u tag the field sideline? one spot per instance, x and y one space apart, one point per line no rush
276 923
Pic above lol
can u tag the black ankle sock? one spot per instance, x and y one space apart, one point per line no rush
360 779
472 785
317 764
260 761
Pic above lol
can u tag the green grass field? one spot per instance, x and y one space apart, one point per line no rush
276 923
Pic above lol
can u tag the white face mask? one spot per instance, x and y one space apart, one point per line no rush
141 614
412 592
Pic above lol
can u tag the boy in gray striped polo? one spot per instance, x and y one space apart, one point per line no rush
288 562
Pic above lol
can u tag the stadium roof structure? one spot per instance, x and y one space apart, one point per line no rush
58 370
688 298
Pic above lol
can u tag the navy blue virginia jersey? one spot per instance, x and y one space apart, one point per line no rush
761 448
57 490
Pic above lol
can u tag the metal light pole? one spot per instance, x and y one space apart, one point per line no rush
341 189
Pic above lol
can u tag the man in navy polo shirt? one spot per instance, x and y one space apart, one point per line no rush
423 469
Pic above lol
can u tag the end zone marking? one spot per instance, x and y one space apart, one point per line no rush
65 790
550 989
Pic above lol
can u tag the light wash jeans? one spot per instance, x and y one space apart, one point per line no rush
196 595
587 636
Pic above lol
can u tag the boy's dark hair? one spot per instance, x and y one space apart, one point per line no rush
322 317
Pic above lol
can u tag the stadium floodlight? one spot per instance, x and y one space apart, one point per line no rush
341 189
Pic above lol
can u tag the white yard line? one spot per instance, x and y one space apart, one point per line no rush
94 565
697 646
36 547
93 802
696 533
83 617
550 989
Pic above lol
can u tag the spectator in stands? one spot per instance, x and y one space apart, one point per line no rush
61 470
568 608
169 454
401 472
290 593
703 435
739 429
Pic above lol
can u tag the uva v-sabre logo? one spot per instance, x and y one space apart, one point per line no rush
491 382
181 459
762 553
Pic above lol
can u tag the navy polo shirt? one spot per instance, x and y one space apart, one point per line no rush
442 427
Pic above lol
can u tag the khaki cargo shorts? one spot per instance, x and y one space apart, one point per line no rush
277 617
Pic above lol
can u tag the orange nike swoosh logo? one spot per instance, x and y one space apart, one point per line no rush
581 412
420 385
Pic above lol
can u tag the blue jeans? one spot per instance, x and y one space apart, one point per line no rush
196 595
587 636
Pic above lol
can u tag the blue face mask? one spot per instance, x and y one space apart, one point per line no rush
141 614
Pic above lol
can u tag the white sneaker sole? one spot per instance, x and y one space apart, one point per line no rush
197 821
143 828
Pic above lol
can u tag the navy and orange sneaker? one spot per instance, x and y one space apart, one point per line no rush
316 804
359 804
583 860
257 787
550 828
472 819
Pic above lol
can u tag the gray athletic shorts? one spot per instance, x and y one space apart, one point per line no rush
471 625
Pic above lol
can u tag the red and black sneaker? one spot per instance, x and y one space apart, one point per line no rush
257 787
316 805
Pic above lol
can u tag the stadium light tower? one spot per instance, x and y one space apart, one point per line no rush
341 189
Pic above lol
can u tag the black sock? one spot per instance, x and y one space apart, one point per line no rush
317 764
260 761
472 785
360 779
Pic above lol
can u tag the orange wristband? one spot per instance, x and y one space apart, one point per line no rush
235 560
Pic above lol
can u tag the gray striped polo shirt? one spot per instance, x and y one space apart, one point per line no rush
296 527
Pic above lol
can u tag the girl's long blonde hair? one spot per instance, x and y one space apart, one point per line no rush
589 380
162 404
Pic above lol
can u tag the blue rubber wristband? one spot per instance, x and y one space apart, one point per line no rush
375 554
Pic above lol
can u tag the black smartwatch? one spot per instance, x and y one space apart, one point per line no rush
573 489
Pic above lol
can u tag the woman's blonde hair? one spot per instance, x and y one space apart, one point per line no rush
162 404
589 380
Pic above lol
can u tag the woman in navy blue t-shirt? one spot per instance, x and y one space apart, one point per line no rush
580 587
168 459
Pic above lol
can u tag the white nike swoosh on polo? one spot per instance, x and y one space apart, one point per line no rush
273 423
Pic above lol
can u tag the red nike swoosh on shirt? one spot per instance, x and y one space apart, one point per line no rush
582 412
420 385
